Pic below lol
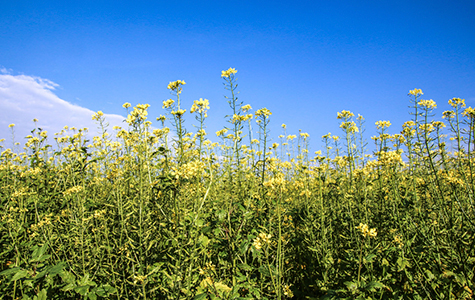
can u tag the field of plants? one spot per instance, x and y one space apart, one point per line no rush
160 212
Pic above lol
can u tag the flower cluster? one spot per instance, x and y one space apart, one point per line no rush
261 240
263 112
176 85
228 72
428 104
382 124
199 105
344 114
366 231
416 92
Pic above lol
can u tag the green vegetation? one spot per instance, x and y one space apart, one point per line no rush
167 214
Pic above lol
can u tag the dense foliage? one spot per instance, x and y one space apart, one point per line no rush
163 213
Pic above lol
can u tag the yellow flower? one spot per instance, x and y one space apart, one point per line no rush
168 103
469 112
246 108
126 105
454 102
200 105
221 132
97 116
344 114
11 125
416 92
179 112
383 124
287 291
176 85
228 72
428 104
366 231
263 112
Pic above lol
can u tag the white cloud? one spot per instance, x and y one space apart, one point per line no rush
23 98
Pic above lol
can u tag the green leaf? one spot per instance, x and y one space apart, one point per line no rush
42 295
38 254
221 214
86 281
68 277
68 287
82 290
20 274
200 296
105 290
244 267
10 271
92 296
58 268
264 271
351 285
204 240
372 285
370 257
402 263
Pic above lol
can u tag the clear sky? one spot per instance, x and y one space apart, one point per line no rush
303 60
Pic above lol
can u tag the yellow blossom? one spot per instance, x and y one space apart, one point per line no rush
382 124
344 114
176 85
416 92
97 116
221 132
228 72
428 104
263 112
454 102
246 107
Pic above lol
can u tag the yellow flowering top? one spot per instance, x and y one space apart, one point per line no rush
416 92
383 124
176 85
168 103
454 102
263 112
228 72
428 104
246 107
344 114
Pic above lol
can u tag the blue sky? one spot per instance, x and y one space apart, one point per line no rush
303 60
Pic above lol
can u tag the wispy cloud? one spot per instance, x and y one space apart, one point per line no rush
23 98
